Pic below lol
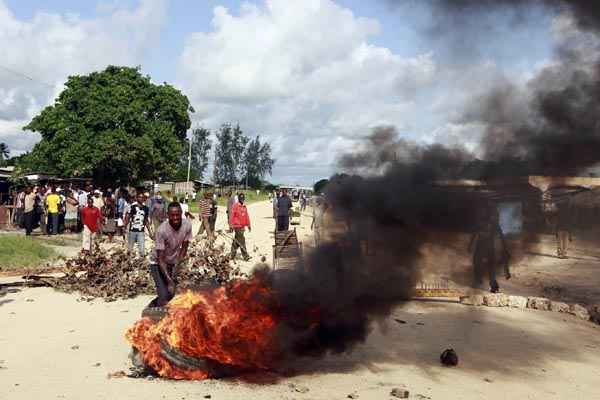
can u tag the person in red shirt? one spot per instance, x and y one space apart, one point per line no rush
239 220
92 221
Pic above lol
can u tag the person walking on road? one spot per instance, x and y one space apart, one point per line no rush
137 219
484 257
158 212
92 222
170 248
238 221
284 205
205 206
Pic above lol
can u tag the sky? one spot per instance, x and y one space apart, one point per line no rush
311 77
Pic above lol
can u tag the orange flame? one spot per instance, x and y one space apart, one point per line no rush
233 326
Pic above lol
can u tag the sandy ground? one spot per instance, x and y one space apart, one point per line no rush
54 346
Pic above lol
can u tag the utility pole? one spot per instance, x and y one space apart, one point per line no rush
189 162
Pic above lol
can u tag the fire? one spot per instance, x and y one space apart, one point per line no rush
230 327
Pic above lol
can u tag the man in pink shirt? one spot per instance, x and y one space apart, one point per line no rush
170 247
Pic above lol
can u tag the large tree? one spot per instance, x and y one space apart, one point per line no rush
229 155
114 125
257 162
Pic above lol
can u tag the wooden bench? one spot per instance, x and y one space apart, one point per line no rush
287 250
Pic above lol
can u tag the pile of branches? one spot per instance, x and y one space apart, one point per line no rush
117 274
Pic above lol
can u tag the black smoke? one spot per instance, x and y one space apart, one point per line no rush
552 123
381 214
392 200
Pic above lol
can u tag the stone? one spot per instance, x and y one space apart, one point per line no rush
558 306
400 393
538 303
353 396
298 388
475 300
495 300
449 358
580 312
517 302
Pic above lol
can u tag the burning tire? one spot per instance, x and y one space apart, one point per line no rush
154 313
180 360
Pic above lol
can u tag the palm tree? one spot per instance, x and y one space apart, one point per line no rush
4 152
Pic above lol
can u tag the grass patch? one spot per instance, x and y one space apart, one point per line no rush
21 251
61 241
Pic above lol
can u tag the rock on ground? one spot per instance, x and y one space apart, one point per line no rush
400 393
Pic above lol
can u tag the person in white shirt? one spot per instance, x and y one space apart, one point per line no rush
185 209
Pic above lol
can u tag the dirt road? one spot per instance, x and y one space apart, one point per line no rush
53 346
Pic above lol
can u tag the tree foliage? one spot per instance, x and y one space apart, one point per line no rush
238 159
114 125
229 153
257 162
319 186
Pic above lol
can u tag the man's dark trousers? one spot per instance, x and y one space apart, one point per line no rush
53 217
160 280
283 222
28 222
240 241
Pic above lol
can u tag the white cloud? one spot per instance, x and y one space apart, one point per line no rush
49 47
302 74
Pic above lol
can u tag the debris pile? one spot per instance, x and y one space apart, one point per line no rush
118 274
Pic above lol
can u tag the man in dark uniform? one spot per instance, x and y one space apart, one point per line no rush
284 205
484 257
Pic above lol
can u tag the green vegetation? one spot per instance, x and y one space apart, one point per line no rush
115 126
20 251
61 241
320 186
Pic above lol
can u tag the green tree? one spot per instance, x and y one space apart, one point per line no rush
257 162
114 125
319 186
223 161
4 153
229 155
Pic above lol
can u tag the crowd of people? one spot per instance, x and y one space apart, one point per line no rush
135 215
130 214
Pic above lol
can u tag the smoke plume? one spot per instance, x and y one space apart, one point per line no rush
390 205
379 221
551 124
